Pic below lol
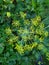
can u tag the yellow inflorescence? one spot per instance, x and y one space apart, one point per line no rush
19 48
34 31
42 25
40 46
15 23
23 15
36 20
41 39
13 39
22 49
46 33
8 14
8 31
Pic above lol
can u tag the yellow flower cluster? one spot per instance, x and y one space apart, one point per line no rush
8 14
19 48
46 33
8 31
36 20
23 15
26 22
13 39
31 31
15 23
40 46
23 49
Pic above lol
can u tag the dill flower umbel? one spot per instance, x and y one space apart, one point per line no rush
36 20
15 23
23 15
32 35
46 33
23 49
8 31
19 48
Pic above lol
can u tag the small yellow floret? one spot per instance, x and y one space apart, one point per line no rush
8 14
46 33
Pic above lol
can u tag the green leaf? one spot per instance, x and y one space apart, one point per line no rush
1 48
